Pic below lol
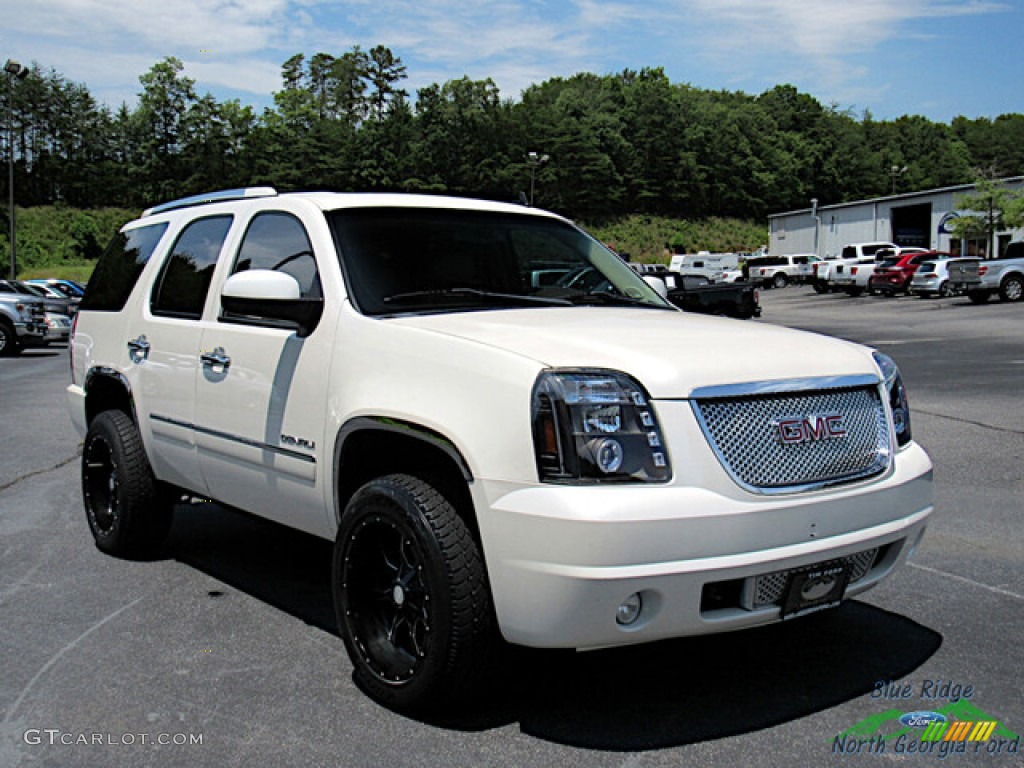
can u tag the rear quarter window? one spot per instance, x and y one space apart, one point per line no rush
119 268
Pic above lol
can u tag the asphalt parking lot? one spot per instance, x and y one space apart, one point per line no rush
223 652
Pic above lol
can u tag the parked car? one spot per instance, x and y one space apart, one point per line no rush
68 288
694 293
854 278
980 279
577 466
893 275
779 271
824 271
55 301
22 322
932 279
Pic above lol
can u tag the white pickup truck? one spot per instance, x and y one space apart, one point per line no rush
825 271
573 465
854 278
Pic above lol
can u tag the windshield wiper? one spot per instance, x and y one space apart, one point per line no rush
498 297
606 297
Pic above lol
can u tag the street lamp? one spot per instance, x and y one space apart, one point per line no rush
535 161
14 72
896 171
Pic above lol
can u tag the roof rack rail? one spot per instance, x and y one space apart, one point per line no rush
211 197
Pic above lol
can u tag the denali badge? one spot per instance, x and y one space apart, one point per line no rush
810 429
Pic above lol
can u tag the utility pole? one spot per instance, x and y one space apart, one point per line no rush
14 71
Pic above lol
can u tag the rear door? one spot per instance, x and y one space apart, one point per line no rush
163 346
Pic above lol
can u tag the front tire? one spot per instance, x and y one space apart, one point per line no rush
411 595
129 513
9 345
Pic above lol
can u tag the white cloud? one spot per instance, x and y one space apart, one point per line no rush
825 47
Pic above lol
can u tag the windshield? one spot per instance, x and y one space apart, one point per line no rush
406 260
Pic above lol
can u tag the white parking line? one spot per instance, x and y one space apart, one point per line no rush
972 582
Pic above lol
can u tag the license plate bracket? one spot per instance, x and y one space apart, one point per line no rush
816 588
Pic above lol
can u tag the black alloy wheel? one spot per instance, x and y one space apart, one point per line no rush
129 513
410 594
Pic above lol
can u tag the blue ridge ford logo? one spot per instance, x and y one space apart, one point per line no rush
922 719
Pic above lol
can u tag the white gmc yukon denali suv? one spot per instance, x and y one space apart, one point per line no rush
562 463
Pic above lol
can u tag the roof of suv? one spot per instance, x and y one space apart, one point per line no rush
328 201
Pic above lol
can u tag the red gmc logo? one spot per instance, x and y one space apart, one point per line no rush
810 429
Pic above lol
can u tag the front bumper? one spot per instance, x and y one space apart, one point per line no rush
562 559
31 334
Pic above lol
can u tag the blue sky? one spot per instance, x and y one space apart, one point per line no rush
935 58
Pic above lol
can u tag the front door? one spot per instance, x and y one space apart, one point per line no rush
261 390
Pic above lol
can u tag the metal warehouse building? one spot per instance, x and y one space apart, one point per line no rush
914 219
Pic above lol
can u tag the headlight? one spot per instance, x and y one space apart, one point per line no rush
897 397
596 426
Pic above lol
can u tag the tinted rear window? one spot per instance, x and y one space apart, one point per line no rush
185 279
119 268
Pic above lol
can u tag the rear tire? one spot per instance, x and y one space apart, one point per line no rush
978 297
779 281
1012 288
129 512
944 290
411 595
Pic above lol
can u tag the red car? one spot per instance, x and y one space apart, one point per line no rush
893 275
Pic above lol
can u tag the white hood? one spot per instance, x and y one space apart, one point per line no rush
669 353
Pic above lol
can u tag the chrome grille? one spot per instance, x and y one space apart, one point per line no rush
770 588
745 435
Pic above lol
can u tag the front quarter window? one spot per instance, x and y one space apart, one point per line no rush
418 260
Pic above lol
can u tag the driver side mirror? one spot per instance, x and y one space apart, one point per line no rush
657 284
269 298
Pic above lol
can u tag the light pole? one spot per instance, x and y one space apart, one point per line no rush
14 72
817 222
535 161
896 171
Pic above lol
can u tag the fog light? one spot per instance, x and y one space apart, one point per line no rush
629 611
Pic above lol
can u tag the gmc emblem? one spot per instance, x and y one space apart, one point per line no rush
797 430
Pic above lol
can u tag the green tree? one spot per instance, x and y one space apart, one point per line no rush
383 71
993 208
162 114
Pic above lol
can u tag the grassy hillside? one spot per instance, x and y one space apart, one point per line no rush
646 238
57 241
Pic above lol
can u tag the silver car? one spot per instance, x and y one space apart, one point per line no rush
932 279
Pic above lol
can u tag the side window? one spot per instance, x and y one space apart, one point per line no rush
185 278
119 268
278 241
